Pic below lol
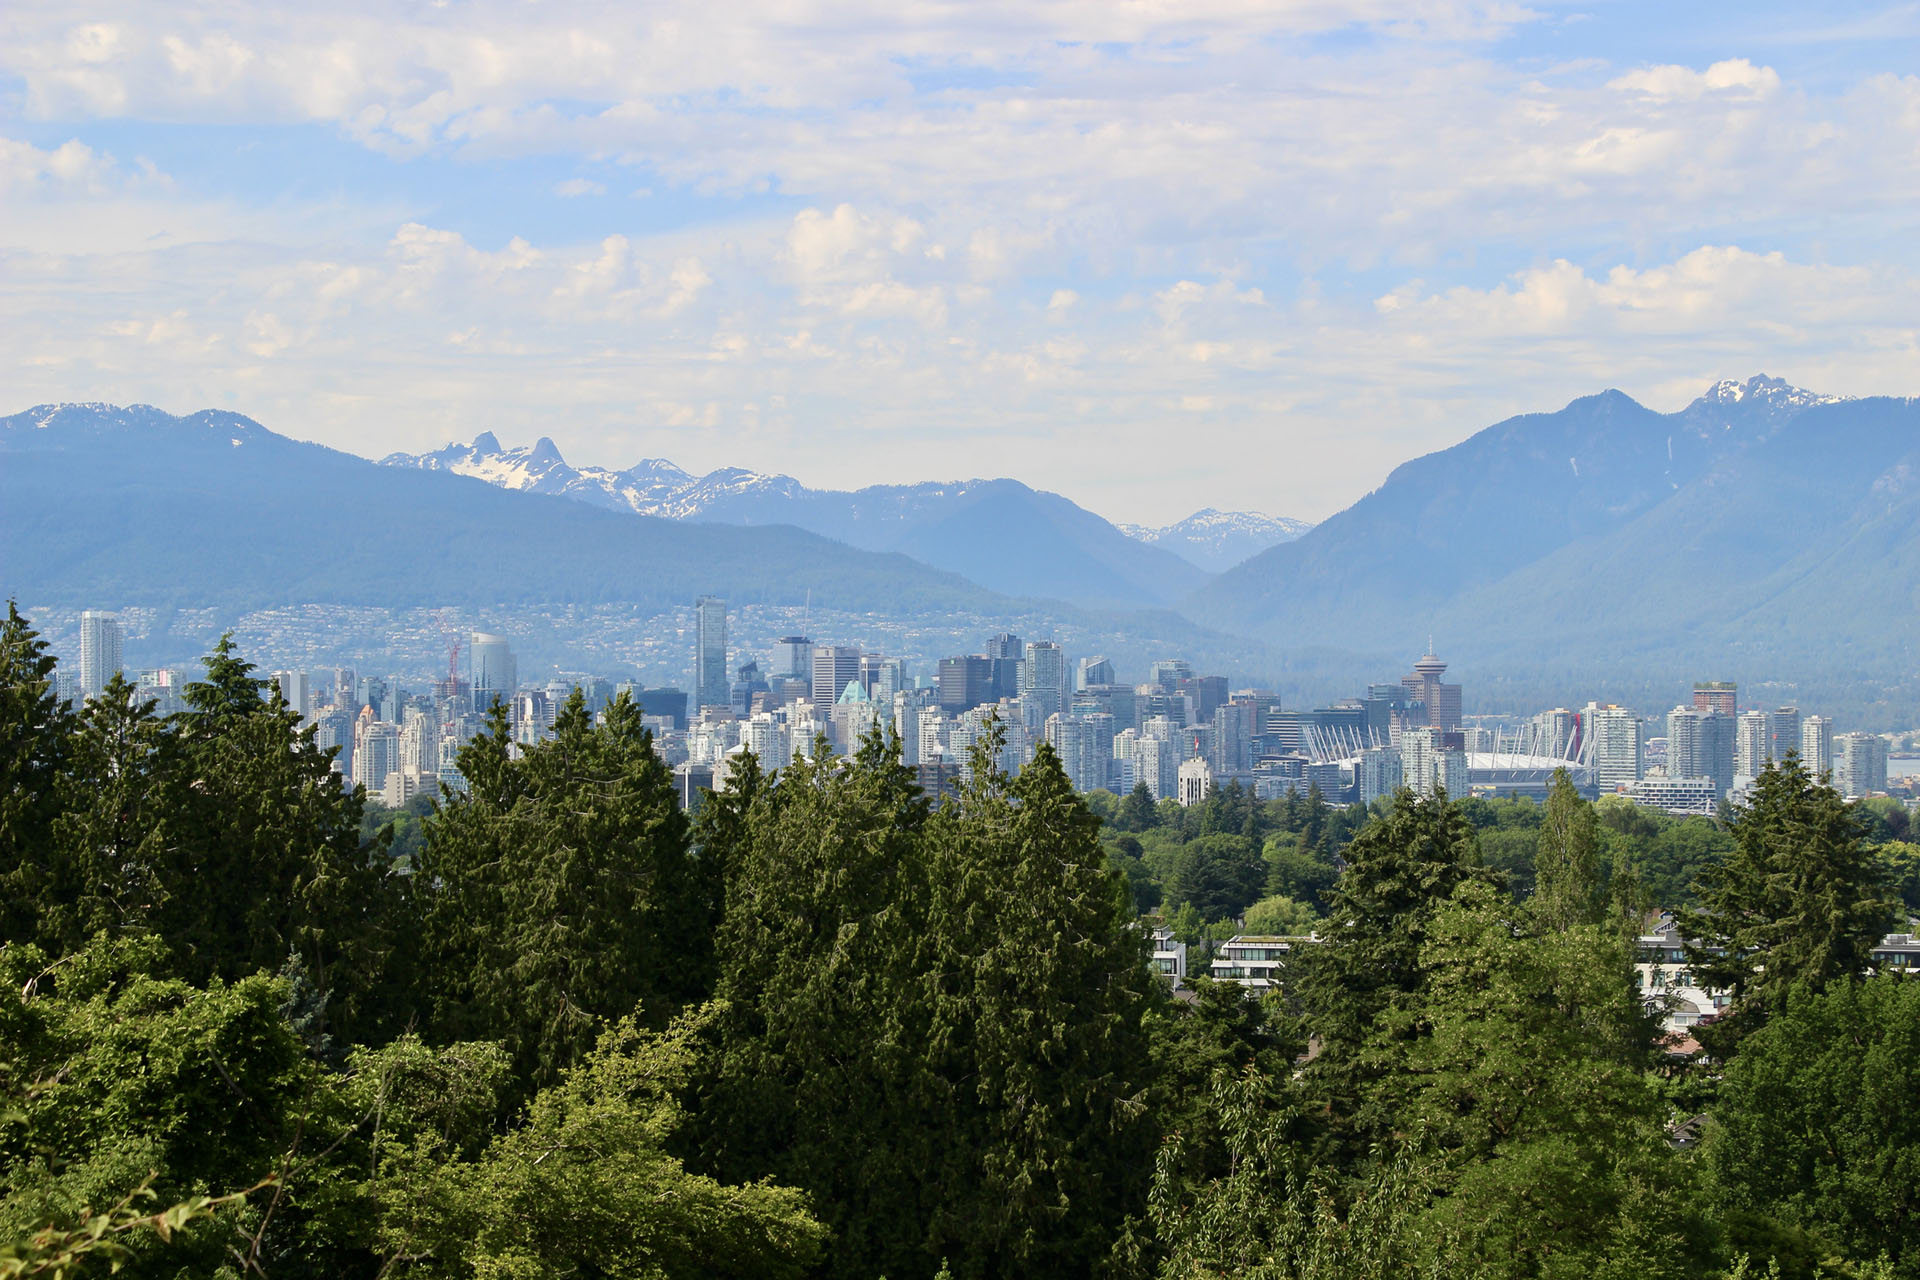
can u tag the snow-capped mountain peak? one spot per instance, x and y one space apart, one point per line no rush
1776 393
1218 540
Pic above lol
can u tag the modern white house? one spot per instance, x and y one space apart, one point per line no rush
1169 955
1253 960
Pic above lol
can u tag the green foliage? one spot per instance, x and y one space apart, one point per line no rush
1400 870
104 869
1667 853
1125 859
817 1076
1267 1218
402 832
1306 875
585 1186
937 1048
1902 862
558 893
1281 916
35 731
1040 990
1815 1123
262 854
1138 811
123 1084
1221 875
1223 1028
1883 819
1799 900
1530 1077
1569 888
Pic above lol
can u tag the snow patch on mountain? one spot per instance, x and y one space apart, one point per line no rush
1217 540
1776 393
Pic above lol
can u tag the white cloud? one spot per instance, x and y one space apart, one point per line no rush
1736 77
72 167
1042 232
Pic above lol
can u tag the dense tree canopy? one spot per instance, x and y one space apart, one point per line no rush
832 1026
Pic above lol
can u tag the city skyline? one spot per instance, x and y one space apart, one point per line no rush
1177 736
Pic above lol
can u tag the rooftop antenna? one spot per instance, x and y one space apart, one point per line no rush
806 618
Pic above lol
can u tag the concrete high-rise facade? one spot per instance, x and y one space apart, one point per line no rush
376 752
1752 743
1717 695
1382 773
1555 732
1169 672
1816 744
491 671
769 741
1685 758
1859 764
834 665
710 683
966 682
1418 748
100 643
910 708
1194 780
296 691
1783 733
1235 726
1155 765
793 658
1043 680
1700 745
1084 744
1617 752
1092 671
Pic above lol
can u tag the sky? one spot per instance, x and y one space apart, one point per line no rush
1153 255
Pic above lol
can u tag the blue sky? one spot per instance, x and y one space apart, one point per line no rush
1155 256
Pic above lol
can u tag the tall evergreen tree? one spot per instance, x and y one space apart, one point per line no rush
117 800
1137 810
1400 869
265 855
34 738
1529 1076
1041 988
818 1076
1799 900
559 890
720 832
1568 887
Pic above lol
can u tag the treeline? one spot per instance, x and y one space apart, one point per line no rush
829 1028
1233 864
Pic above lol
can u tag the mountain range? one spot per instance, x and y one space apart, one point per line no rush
999 533
132 507
1762 527
1762 533
138 506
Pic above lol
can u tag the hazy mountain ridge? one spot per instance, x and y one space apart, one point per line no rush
103 506
136 506
1000 533
1762 526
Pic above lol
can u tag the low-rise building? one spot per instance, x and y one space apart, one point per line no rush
1169 955
1254 961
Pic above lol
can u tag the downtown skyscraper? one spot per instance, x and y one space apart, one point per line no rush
710 652
99 651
